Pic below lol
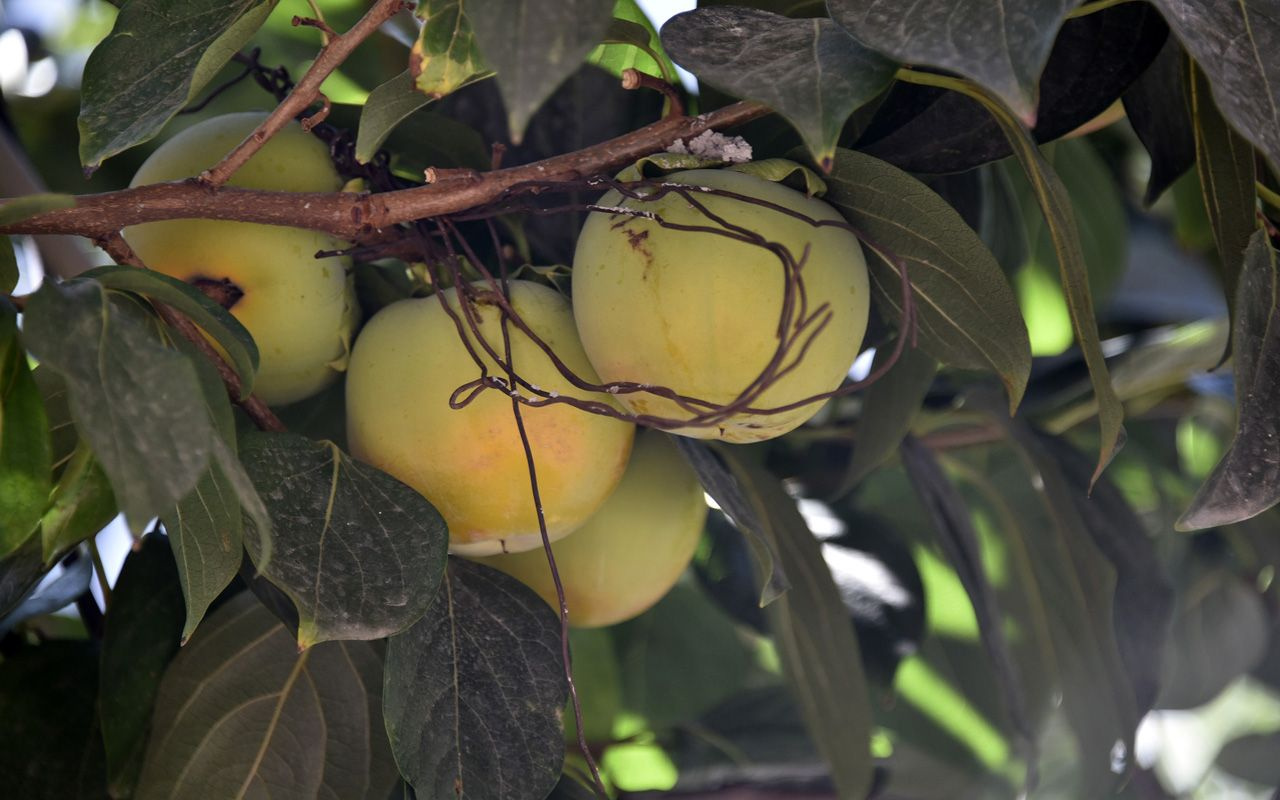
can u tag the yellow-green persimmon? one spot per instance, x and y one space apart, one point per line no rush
300 310
630 552
698 312
469 461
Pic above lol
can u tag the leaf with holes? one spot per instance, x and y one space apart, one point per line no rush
358 552
475 691
1002 46
1246 481
534 45
240 713
968 314
808 70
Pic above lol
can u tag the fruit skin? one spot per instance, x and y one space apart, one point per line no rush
301 311
630 552
469 462
698 312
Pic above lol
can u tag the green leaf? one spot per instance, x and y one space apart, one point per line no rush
20 208
475 689
1246 481
680 658
133 399
820 656
240 713
359 553
1055 204
808 70
212 318
445 57
26 458
1003 48
20 571
719 482
143 629
632 43
50 748
1225 163
206 527
81 505
953 524
1234 44
782 170
888 407
387 107
968 315
8 266
534 45
159 55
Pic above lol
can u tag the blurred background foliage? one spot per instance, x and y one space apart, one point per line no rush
688 698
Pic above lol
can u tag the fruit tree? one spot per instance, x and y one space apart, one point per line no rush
524 399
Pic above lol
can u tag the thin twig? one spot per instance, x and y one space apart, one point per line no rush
633 78
305 92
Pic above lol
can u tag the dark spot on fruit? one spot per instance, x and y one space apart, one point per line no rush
636 239
220 290
623 220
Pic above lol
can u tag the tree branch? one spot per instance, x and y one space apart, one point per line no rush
335 51
351 216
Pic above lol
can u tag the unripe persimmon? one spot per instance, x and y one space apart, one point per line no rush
470 461
698 312
630 552
300 310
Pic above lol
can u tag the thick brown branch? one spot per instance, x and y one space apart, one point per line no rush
351 215
335 51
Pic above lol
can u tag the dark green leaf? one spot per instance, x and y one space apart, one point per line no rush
1224 161
58 593
81 504
206 528
679 659
1099 209
1220 632
240 713
386 108
968 315
1003 48
445 57
18 209
212 318
133 399
888 407
1094 59
159 55
1055 204
475 689
817 646
358 552
50 748
727 491
20 571
26 458
1246 481
953 525
1156 105
534 45
808 70
1235 43
143 628
62 429
8 266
